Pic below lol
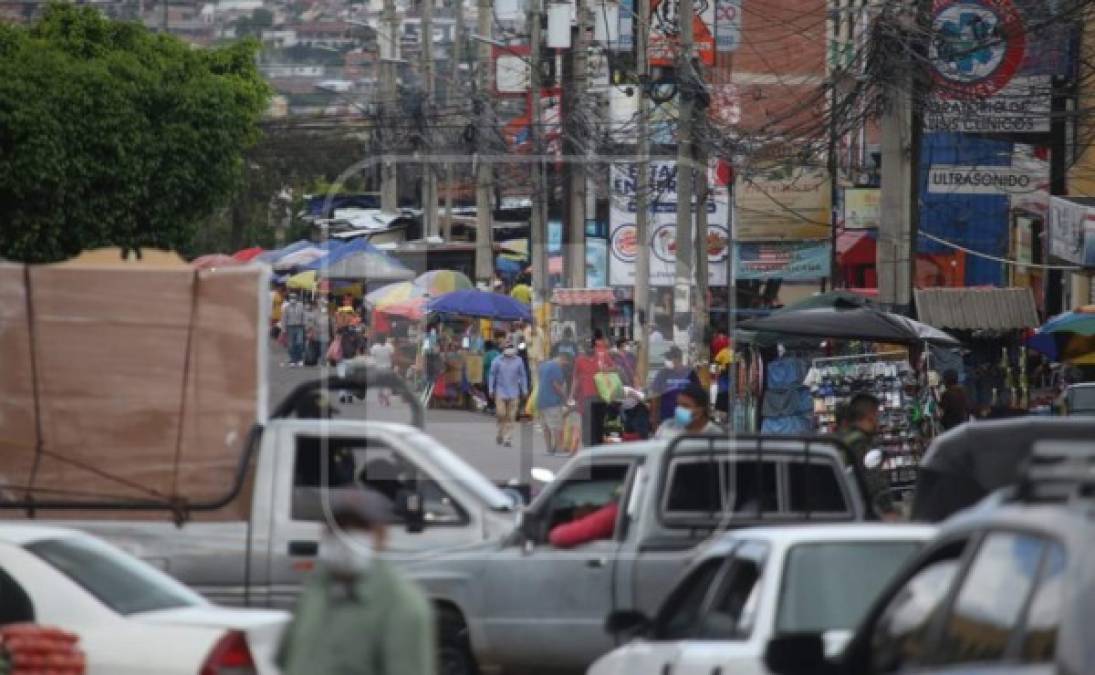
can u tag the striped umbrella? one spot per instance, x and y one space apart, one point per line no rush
439 282
1067 337
393 294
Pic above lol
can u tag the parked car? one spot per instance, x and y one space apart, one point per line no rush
1006 588
521 604
131 618
753 584
255 546
1079 399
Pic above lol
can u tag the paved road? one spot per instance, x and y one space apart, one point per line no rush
470 434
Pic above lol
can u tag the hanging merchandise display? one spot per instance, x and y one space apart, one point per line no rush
905 408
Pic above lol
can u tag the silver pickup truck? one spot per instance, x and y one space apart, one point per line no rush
518 604
255 545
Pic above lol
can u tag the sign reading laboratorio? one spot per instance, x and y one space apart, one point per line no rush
787 260
982 180
623 242
785 203
985 79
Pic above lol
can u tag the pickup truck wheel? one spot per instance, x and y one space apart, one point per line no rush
454 649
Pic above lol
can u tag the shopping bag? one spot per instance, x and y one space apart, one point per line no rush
531 408
609 386
572 432
334 352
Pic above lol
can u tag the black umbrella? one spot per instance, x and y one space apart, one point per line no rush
967 464
851 323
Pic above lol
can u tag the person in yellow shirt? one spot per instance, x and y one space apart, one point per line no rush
522 293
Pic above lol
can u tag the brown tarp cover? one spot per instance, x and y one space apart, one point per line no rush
123 408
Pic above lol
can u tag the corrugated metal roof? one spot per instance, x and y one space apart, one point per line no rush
977 308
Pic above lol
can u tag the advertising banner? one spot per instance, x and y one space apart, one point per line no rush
784 204
983 180
862 208
596 262
665 31
623 243
1067 227
790 261
727 25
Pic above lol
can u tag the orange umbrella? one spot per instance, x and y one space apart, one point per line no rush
248 254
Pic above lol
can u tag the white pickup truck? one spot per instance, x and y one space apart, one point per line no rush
254 545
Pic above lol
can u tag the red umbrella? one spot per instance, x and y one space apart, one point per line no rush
413 309
208 262
248 254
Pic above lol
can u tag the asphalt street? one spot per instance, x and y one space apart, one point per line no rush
469 434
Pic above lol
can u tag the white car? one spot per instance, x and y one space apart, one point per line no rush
753 584
131 618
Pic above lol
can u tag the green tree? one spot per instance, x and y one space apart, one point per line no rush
113 135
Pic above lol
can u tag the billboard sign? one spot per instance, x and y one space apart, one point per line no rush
787 260
727 25
665 31
1068 226
785 203
862 208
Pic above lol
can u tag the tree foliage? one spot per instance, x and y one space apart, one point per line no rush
113 135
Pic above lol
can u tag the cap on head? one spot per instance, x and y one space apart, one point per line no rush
361 509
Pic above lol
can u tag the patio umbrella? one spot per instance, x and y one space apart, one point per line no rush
482 305
248 254
396 293
279 253
1067 337
302 281
299 258
859 323
338 251
367 266
443 281
214 260
413 309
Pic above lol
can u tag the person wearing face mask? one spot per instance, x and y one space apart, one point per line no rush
508 384
691 415
624 359
356 614
669 382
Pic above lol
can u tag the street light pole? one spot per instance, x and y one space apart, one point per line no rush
484 251
682 292
537 220
389 199
429 177
642 314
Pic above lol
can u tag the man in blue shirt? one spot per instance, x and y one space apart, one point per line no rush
670 381
508 384
551 398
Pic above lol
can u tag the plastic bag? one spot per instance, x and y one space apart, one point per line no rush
334 352
609 386
531 408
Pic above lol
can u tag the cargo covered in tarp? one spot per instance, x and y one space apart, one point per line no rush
128 382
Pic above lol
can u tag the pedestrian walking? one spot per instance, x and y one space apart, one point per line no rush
357 615
551 399
860 424
489 355
319 328
954 403
668 383
508 384
293 318
382 353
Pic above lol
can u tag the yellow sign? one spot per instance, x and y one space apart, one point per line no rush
862 208
783 204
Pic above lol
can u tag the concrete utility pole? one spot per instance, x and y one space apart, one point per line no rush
484 250
537 219
429 176
699 304
682 281
643 315
576 258
389 192
451 93
900 126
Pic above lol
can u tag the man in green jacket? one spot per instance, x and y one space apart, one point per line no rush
357 615
859 424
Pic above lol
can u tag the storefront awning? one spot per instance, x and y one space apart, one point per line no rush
977 308
856 247
584 296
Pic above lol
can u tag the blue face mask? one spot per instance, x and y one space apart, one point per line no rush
682 416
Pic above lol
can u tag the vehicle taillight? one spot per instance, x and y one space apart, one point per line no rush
230 656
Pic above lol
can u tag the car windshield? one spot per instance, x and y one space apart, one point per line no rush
828 586
456 469
121 582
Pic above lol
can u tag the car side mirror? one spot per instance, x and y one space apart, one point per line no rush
627 622
413 512
796 654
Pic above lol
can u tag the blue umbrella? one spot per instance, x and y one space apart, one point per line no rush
1066 337
480 304
339 253
279 253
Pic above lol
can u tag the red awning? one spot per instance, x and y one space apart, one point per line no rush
856 247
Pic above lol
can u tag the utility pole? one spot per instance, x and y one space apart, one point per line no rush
451 92
429 177
682 282
642 313
699 305
484 179
389 193
537 220
577 172
900 126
